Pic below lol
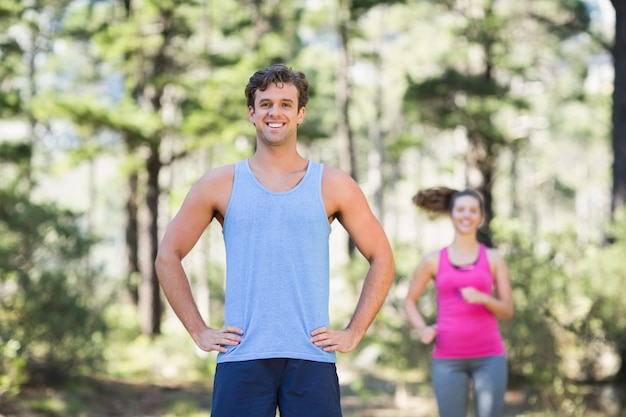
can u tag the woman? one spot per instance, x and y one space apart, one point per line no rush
468 345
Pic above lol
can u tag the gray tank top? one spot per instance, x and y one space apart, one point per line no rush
277 267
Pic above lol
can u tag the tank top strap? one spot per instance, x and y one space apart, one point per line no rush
444 261
483 259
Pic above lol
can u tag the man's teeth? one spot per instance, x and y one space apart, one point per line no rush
274 124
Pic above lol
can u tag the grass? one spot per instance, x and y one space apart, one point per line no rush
168 377
96 397
106 397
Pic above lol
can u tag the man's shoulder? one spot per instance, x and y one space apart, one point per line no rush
340 191
220 173
335 174
217 178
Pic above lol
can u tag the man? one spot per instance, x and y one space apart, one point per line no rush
277 348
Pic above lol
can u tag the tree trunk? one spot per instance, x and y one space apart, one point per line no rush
348 158
483 157
378 157
618 195
376 161
486 189
132 238
150 302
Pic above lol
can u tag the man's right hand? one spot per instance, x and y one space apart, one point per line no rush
215 339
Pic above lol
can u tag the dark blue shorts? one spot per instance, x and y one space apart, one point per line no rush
298 388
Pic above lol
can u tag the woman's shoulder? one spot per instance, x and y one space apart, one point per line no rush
494 257
433 255
431 260
492 253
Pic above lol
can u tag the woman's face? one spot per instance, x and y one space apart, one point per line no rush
466 215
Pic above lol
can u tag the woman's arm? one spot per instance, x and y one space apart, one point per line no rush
500 305
424 272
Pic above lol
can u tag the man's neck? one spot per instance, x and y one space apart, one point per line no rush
278 174
276 161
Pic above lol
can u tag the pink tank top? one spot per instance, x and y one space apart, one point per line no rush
465 330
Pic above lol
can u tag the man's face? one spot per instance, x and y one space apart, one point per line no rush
276 114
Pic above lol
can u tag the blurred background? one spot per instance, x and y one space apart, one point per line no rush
110 110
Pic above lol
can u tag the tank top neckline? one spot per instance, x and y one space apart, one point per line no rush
246 164
467 266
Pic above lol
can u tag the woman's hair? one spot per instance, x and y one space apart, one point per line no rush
440 200
278 74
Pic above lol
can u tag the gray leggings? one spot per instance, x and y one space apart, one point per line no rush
451 382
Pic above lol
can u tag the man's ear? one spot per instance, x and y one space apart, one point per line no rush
301 114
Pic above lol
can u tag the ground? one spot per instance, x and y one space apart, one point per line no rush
108 398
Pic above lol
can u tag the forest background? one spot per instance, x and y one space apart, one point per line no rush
110 110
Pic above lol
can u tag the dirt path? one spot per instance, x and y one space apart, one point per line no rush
106 398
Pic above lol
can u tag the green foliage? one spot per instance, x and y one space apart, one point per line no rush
569 308
536 283
13 368
603 273
106 71
454 99
10 56
574 18
49 313
359 7
10 103
172 355
399 352
16 153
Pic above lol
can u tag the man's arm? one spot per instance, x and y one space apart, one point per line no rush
206 200
346 202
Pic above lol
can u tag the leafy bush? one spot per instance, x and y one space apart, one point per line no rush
50 322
